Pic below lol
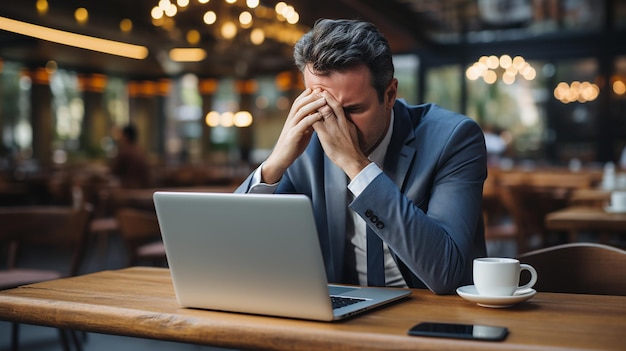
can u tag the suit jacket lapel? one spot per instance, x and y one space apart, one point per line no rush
399 157
335 188
398 161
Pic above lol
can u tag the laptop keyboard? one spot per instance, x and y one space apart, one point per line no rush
342 301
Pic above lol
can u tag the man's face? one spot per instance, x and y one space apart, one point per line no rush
354 91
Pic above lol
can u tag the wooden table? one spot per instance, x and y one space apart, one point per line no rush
142 198
594 219
140 302
102 227
590 197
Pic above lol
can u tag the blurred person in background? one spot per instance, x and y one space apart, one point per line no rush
130 164
496 144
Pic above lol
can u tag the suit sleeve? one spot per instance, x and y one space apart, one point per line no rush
433 231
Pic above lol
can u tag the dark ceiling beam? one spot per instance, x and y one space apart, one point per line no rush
394 14
546 47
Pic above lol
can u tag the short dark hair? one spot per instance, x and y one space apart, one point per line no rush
336 45
130 132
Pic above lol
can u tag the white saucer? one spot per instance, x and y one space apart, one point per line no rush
611 209
469 292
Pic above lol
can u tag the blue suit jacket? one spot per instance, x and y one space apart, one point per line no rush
427 202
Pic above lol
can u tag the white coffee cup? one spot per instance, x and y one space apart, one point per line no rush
618 200
499 276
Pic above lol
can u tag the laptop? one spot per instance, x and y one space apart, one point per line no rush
254 254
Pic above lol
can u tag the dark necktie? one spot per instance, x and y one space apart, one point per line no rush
375 260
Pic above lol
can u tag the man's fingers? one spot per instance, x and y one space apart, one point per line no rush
309 107
332 103
326 112
307 102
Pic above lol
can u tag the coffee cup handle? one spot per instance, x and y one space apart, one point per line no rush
533 276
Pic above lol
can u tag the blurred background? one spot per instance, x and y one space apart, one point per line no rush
208 84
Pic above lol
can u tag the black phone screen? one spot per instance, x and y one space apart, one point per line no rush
459 331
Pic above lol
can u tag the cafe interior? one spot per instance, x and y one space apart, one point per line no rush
208 84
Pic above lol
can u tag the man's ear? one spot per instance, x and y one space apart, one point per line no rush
391 93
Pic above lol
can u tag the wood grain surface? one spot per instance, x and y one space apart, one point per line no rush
141 302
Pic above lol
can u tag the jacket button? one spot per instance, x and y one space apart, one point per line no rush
380 225
369 213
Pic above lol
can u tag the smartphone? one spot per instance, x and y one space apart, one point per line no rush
459 331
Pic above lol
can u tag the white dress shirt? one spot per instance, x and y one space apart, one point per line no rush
356 227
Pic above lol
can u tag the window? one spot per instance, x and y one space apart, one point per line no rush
443 86
406 72
513 102
68 113
16 122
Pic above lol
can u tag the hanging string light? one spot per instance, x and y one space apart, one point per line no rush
226 19
488 67
576 92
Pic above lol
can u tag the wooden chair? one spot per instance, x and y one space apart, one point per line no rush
529 196
585 268
24 227
141 234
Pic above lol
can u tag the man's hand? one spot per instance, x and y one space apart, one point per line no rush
295 135
339 137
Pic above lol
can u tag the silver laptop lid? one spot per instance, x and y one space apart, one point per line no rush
225 254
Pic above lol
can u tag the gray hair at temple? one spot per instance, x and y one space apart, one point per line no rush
336 45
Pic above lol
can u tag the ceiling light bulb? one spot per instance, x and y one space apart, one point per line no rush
490 77
229 30
164 4
280 6
209 17
157 13
287 11
257 36
293 18
193 37
51 67
473 72
506 61
519 62
245 19
511 70
528 72
493 62
242 119
42 7
81 15
619 87
126 25
212 119
227 119
508 78
561 91
252 3
171 11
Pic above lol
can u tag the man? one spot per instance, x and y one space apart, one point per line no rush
130 164
378 169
